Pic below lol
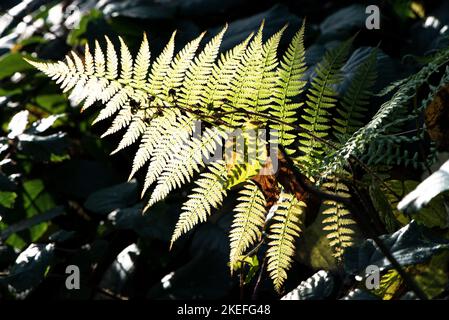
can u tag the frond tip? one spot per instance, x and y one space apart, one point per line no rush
248 222
338 223
286 228
208 194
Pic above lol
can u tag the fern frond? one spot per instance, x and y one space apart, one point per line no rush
321 98
248 221
208 193
338 223
198 74
160 68
176 134
142 64
243 85
385 116
126 62
181 63
267 76
120 99
289 85
112 61
184 163
121 120
224 71
287 226
135 130
150 139
356 99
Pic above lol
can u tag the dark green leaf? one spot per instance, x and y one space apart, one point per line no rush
317 287
410 245
112 198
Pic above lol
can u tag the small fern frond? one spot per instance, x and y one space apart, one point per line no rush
224 71
180 64
135 130
321 98
286 228
160 68
248 222
198 74
99 61
243 85
142 64
176 134
111 61
289 84
208 193
126 62
355 101
338 224
184 163
150 138
267 75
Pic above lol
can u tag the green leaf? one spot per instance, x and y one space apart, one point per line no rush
412 244
437 183
28 223
11 63
7 199
433 277
318 287
29 269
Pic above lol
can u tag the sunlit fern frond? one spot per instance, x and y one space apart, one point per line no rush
208 194
180 64
183 164
224 71
142 64
249 220
267 76
160 68
176 134
151 138
289 84
338 223
321 99
243 85
247 88
286 228
198 75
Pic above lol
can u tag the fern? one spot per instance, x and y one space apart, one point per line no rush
385 117
208 194
243 86
248 221
174 136
338 223
289 84
198 75
356 99
286 228
157 103
181 166
321 98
